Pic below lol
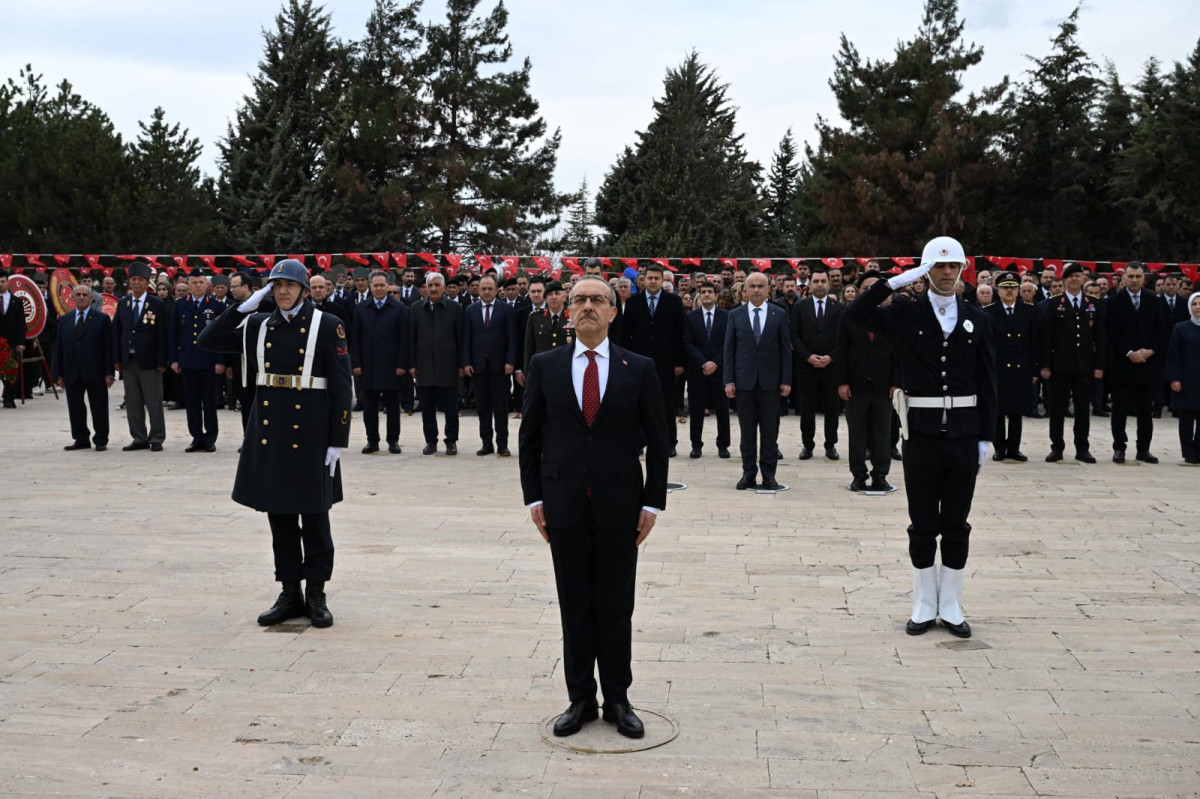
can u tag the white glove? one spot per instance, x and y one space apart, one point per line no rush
908 278
255 300
983 451
332 455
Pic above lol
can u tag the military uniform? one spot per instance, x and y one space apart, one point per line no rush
1071 346
545 331
1016 371
201 384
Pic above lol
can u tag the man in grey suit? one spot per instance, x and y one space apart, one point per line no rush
435 353
758 371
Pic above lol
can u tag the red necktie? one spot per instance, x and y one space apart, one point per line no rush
591 389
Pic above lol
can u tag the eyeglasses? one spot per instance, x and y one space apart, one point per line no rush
580 300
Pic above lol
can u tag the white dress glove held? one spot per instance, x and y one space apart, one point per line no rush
332 455
908 278
255 300
983 451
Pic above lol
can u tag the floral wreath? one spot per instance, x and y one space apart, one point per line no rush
9 368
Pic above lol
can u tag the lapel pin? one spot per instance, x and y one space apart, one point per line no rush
969 326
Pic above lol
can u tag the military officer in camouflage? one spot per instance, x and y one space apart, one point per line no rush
298 427
550 328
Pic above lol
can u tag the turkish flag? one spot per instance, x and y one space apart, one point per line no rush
731 262
33 260
513 262
244 260
903 260
400 259
171 270
127 257
1024 264
665 264
1155 267
179 259
63 259
430 259
299 258
606 262
6 260
762 264
108 270
690 261
1057 263
323 259
832 263
484 261
268 261
572 263
357 257
1190 270
93 261
795 262
381 258
541 262
864 261
630 262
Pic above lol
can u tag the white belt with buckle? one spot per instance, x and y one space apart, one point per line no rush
289 381
944 403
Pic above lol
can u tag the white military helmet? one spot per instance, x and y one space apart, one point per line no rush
942 250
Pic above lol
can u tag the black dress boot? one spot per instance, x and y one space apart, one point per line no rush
318 611
290 605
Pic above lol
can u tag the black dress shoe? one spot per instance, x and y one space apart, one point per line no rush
101 447
958 630
917 627
831 453
135 446
695 453
1054 456
314 599
369 448
393 449
1145 457
1017 455
1118 456
210 447
194 447
1084 456
503 452
429 449
10 403
158 448
78 445
723 452
628 724
881 484
805 454
769 484
671 452
452 448
998 455
896 456
572 719
744 483
486 449
175 406
858 484
290 605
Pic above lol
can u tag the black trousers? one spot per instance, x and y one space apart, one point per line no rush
408 392
303 546
1008 441
390 401
667 381
434 399
818 391
1137 400
1064 388
1189 433
200 391
77 411
939 479
869 422
594 571
758 415
518 394
491 402
708 393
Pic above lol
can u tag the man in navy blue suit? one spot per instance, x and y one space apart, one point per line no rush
758 371
140 355
489 357
704 342
200 369
1137 334
379 357
83 365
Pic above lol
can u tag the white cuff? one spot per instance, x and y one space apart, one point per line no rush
533 505
655 511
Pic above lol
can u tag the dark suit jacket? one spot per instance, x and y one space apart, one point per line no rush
702 347
435 342
766 363
560 456
1128 329
809 338
329 305
863 361
1180 312
146 336
12 325
413 298
379 344
88 356
488 349
658 337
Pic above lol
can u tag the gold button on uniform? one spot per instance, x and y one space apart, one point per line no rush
301 350
302 330
268 345
266 403
264 441
295 427
295 446
266 421
297 407
267 365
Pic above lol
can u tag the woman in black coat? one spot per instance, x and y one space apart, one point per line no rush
1183 373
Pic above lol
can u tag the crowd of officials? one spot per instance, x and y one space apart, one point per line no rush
1070 345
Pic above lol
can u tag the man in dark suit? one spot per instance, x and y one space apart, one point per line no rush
83 365
758 371
865 370
140 335
948 374
814 325
704 342
489 359
1071 356
583 484
653 326
200 369
379 356
1014 324
435 357
1137 333
12 330
535 304
408 287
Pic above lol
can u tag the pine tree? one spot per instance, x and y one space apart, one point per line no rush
275 192
780 210
575 236
489 160
1114 134
171 211
688 189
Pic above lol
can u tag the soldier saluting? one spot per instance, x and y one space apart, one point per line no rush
299 424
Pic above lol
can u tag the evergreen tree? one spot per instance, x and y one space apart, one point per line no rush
913 160
688 189
1114 133
489 161
171 209
275 192
575 235
780 210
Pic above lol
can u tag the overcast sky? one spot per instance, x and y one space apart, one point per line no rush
597 66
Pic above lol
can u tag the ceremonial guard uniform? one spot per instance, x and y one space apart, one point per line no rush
197 367
298 426
1071 347
947 408
547 330
1014 327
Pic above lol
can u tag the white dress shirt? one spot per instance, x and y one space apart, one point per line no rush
948 320
1076 300
4 300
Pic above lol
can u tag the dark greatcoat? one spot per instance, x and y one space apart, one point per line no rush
1126 329
1183 364
435 342
379 343
1016 349
282 465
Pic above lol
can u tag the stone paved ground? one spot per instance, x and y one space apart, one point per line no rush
770 628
